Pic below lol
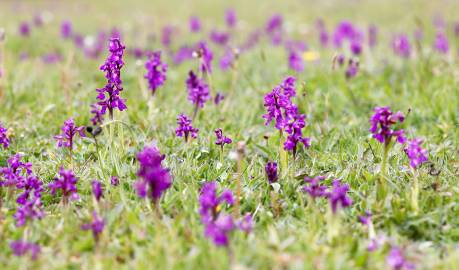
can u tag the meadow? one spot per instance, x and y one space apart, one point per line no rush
229 135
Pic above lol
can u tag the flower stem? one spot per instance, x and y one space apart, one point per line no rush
381 190
415 192
283 154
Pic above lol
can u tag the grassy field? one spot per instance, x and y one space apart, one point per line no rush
290 231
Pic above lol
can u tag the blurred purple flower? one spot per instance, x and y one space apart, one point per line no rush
16 171
338 195
415 153
228 59
66 30
366 218
97 189
30 210
156 71
221 140
166 35
114 181
314 187
372 35
230 17
66 182
69 131
96 226
185 129
397 261
295 61
441 43
271 171
205 54
401 46
220 38
98 117
21 247
52 58
352 69
195 24
4 140
24 29
219 97
245 224
198 90
278 105
154 179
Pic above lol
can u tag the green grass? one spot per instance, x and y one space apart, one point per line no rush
35 104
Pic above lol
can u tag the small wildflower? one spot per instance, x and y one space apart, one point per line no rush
185 129
66 182
21 247
415 153
195 24
366 218
97 189
206 56
221 140
401 46
315 188
441 43
114 181
156 71
24 29
338 195
397 261
218 98
66 30
4 140
30 210
96 226
69 131
381 125
198 90
230 17
271 171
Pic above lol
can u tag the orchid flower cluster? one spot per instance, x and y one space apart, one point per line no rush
221 140
198 91
381 125
67 184
156 71
19 174
219 225
185 129
4 140
154 179
109 96
96 226
271 171
347 32
281 109
337 194
69 131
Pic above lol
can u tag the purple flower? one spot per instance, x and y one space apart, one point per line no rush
415 153
31 186
356 47
52 58
66 182
346 31
21 247
96 226
154 179
218 98
156 71
278 105
16 172
271 171
274 29
97 189
66 30
184 53
219 229
98 117
198 90
314 187
205 54
69 131
220 38
401 46
230 17
372 35
295 61
338 195
166 35
366 218
108 96
381 125
340 59
38 20
245 224
252 40
185 128
24 29
137 52
221 140
352 69
114 181
28 211
294 129
228 59
195 24
441 43
4 140
397 261
78 40
324 37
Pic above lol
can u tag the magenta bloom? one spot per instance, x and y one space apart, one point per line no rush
66 182
273 29
346 31
114 181
278 105
397 261
98 117
295 61
219 97
185 129
220 38
69 131
28 211
195 24
227 60
66 30
206 56
16 172
271 171
366 218
441 43
156 71
415 153
97 189
108 96
230 17
52 58
198 90
352 69
401 46
338 195
381 125
221 140
294 129
96 226
154 179
166 35
245 224
314 187
4 140
21 247
183 53
24 29
324 37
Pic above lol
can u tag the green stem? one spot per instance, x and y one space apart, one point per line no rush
415 193
382 186
283 154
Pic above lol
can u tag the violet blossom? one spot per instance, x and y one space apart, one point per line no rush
271 171
295 134
185 129
154 179
16 171
4 140
219 97
230 17
401 46
166 35
372 35
396 260
415 153
183 53
156 71
195 24
314 187
352 69
30 210
278 105
96 226
381 125
228 59
198 90
441 43
24 29
338 195
114 181
69 131
221 140
66 182
97 190
66 30
108 96
205 54
219 37
22 247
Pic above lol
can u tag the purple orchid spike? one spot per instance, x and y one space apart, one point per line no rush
271 171
4 140
156 71
69 131
185 129
415 153
221 140
381 125
66 182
